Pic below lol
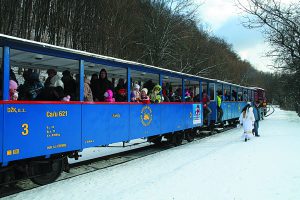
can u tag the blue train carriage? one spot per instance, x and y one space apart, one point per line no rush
38 133
233 99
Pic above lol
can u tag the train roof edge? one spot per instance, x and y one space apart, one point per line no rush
113 59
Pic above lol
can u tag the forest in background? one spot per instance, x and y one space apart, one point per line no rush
163 33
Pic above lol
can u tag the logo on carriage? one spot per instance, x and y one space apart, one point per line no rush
146 116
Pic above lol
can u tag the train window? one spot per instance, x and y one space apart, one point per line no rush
205 88
219 89
245 95
143 80
191 91
226 93
240 94
43 77
234 94
172 89
99 79
1 73
212 91
249 95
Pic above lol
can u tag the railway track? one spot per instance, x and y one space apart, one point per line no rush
88 166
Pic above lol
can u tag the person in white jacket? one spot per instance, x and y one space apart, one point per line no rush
247 120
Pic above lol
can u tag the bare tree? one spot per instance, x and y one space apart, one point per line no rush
280 24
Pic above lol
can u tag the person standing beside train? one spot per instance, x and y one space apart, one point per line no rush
256 113
247 120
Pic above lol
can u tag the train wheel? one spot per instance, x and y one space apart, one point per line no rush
177 138
190 135
54 170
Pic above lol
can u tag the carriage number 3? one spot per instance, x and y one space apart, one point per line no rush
25 129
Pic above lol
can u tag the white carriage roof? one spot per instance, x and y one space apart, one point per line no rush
93 55
257 88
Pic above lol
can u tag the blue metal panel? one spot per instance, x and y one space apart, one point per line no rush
224 107
213 107
172 117
1 133
188 116
40 130
230 110
104 124
240 107
237 109
235 113
146 120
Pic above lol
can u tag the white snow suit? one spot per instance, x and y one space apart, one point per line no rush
247 121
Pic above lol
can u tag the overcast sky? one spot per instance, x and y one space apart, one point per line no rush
224 19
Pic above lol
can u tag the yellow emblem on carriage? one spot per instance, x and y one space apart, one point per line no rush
146 116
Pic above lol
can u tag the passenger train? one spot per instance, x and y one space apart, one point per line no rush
38 136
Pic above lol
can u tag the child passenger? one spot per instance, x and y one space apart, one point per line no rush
144 97
247 121
135 95
108 96
13 94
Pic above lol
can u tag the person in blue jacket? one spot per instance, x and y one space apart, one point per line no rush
256 113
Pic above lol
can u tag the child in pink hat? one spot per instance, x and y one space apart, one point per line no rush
108 96
13 86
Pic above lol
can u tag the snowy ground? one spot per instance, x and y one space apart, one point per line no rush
219 167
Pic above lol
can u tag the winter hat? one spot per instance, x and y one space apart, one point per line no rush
103 70
66 73
187 94
250 109
108 94
157 87
136 86
145 90
13 85
51 71
55 82
67 98
122 91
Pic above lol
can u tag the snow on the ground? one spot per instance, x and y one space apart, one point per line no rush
218 167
